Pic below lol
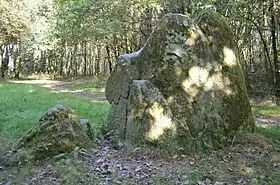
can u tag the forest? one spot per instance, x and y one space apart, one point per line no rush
71 38
78 77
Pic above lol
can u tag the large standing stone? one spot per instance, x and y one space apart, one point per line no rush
185 86
58 131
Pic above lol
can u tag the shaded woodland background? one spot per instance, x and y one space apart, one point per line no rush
65 38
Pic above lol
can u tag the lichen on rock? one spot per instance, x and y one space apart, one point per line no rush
58 131
188 74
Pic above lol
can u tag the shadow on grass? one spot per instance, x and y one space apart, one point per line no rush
271 132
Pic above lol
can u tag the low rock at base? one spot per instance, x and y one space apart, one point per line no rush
58 131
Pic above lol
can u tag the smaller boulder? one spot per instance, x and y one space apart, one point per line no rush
58 131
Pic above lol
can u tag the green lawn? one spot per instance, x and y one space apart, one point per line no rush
86 85
272 132
21 105
266 110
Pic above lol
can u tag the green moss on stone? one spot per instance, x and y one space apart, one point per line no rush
59 131
195 68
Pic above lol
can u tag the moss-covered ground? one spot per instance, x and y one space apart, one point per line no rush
255 159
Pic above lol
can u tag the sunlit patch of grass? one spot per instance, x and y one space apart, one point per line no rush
272 132
86 86
266 110
22 105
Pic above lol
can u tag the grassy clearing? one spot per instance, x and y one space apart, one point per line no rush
21 105
272 132
266 110
90 85
85 87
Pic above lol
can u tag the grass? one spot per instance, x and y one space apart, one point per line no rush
272 132
85 87
89 85
195 176
21 105
266 110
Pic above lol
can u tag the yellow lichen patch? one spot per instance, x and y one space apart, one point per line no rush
178 70
189 88
199 78
160 124
193 36
218 82
170 99
229 57
198 75
245 170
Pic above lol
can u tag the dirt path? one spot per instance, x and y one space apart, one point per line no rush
58 86
267 120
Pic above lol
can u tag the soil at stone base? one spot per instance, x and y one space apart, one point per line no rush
245 163
252 161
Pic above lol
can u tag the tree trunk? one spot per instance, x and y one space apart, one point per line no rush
43 62
266 50
5 62
69 63
97 62
109 59
85 58
91 56
74 58
17 61
265 38
1 59
61 65
274 51
17 64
